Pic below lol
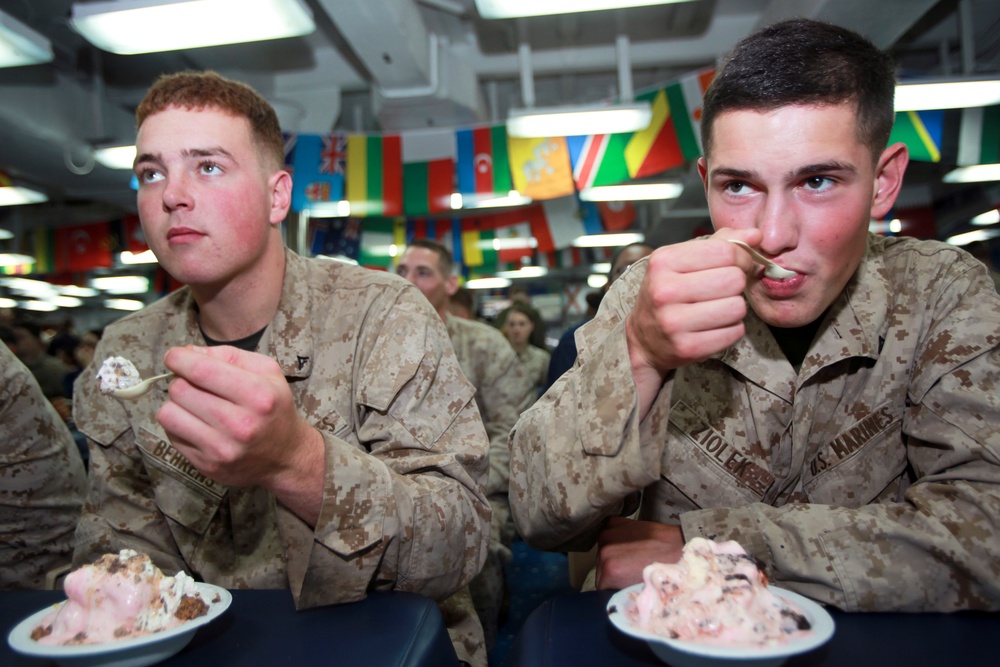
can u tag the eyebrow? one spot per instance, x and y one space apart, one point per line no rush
805 170
186 153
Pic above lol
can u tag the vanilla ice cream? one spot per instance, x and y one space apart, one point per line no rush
117 373
715 594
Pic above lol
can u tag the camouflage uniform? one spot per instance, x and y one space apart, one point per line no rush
536 363
503 392
42 481
369 366
868 480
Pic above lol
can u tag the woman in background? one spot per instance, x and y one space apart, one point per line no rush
517 324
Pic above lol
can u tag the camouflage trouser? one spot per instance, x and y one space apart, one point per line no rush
464 629
488 587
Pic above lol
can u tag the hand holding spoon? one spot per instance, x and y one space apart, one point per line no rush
771 270
136 390
120 378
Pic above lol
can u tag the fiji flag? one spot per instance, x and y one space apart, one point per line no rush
318 166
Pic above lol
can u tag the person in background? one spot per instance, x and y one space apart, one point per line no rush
24 338
42 482
842 424
63 346
503 392
319 434
462 304
564 354
516 322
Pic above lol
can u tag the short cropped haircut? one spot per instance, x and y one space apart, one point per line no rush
445 261
209 90
806 62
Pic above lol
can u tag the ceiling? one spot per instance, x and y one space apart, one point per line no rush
368 68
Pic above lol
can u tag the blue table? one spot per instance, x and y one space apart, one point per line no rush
263 628
573 630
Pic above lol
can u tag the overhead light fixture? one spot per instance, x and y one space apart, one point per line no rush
991 217
124 304
947 94
329 209
467 201
39 306
511 243
128 27
608 240
507 9
597 280
569 121
488 283
76 290
20 45
977 173
144 257
632 192
6 234
524 272
7 303
13 195
116 157
121 284
15 259
975 235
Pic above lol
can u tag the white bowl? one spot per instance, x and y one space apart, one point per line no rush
135 652
692 654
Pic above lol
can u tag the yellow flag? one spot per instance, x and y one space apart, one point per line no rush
540 168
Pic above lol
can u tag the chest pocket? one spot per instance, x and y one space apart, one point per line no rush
860 464
708 468
181 492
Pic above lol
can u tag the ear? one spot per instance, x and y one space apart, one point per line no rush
703 172
280 185
451 285
889 178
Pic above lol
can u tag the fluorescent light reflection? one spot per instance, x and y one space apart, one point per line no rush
124 304
116 157
977 173
16 196
988 218
608 240
955 94
578 120
144 257
975 235
632 192
505 9
488 283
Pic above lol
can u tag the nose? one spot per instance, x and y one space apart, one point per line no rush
777 222
176 194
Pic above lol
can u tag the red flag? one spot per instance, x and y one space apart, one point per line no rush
617 216
83 247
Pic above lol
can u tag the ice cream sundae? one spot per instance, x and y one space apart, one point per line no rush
715 594
120 596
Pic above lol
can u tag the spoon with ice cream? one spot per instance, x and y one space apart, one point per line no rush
771 270
120 378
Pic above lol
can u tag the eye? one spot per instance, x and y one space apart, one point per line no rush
736 187
149 175
209 168
818 183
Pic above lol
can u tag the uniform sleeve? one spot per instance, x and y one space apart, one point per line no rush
42 481
407 510
937 548
576 454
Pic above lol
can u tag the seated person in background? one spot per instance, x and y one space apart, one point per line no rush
503 392
843 424
517 322
42 481
564 355
462 304
24 338
319 434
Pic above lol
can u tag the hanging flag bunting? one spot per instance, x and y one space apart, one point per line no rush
616 215
483 167
674 134
335 237
378 242
555 223
374 175
598 159
540 168
45 250
83 247
318 169
127 236
979 136
428 171
921 132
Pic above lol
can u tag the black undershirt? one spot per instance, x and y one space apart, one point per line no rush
795 341
248 344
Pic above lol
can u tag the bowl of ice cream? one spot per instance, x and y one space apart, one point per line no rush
715 606
120 612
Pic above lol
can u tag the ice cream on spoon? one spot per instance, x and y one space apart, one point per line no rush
771 270
120 378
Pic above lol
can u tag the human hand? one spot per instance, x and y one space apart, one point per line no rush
626 546
690 304
231 413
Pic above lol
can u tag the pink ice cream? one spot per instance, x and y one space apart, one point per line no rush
715 594
119 596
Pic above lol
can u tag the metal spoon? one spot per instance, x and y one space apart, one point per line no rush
771 270
139 389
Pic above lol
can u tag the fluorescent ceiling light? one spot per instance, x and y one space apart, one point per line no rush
524 272
947 94
15 259
601 267
977 173
330 209
20 45
975 235
39 306
6 234
512 243
13 195
144 257
988 218
124 304
116 157
27 285
512 198
146 26
608 240
597 281
894 226
76 290
506 9
568 121
66 301
121 284
488 283
7 303
632 192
